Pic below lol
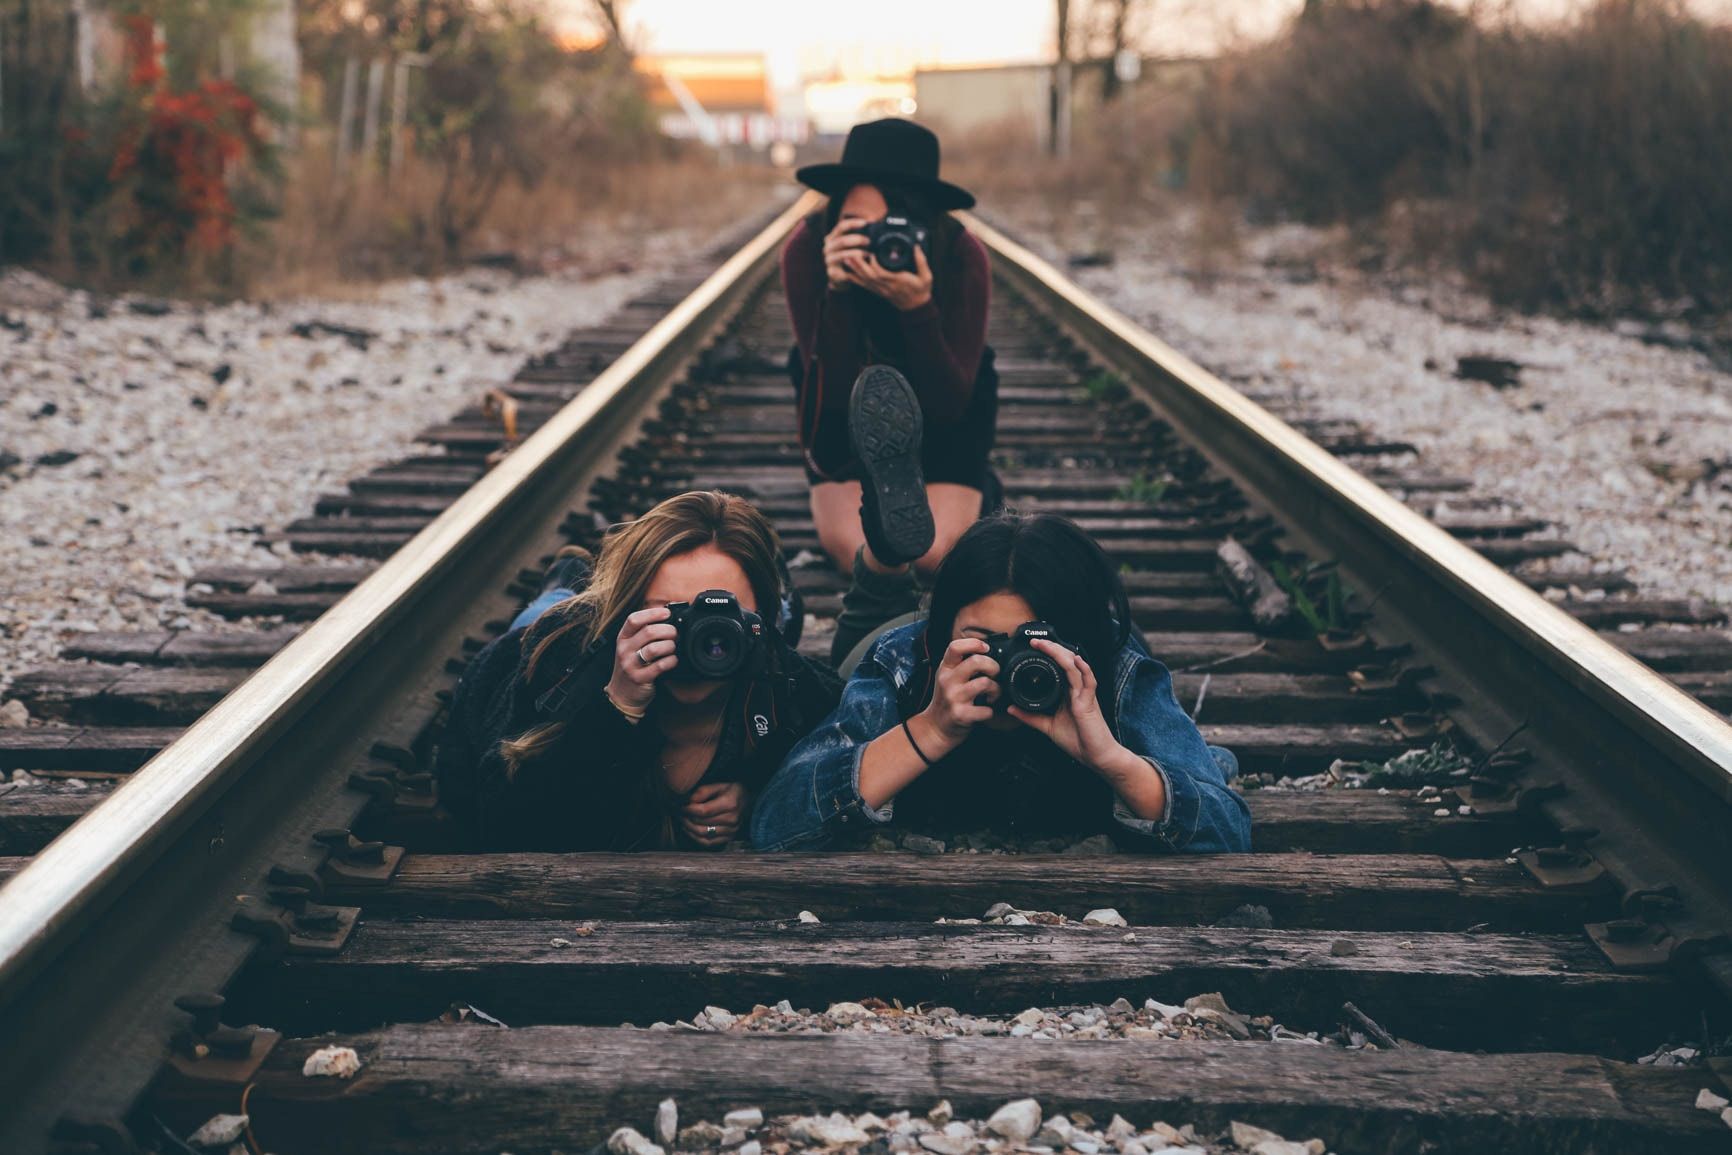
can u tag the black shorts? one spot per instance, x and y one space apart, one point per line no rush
954 453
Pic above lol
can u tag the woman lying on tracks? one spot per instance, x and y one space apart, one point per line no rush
1026 703
897 396
644 710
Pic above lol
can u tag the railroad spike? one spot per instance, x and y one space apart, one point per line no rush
379 786
205 1007
281 875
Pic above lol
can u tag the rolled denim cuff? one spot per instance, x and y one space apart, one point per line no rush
836 791
1159 830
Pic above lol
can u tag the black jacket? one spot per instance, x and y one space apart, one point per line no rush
596 787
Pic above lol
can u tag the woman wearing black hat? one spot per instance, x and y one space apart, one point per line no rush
898 400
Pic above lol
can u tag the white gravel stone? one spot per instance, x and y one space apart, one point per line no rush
1707 1100
941 1113
667 1122
14 715
176 470
1106 916
1017 1120
943 1143
808 916
750 1147
827 1131
748 1117
219 1131
629 1141
332 1063
848 1013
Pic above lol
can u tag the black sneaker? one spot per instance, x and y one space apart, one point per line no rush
884 426
570 570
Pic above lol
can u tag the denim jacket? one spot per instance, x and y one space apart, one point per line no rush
814 798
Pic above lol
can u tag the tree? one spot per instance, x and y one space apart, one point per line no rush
1058 115
611 16
1115 25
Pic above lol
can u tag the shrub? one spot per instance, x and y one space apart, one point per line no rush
1586 165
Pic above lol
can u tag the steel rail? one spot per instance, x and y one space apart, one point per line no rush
80 886
1644 760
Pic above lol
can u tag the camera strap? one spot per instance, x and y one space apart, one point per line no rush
555 704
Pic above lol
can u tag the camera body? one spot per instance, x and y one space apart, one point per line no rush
717 638
1027 678
892 242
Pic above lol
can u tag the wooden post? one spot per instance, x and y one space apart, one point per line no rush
399 112
370 123
346 112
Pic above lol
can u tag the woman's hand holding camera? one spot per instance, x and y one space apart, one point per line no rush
713 813
849 261
844 239
644 652
962 699
1078 727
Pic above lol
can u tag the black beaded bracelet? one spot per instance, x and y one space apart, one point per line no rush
915 744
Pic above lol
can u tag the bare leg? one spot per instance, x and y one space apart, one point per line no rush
954 509
836 514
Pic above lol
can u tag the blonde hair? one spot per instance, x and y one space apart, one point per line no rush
631 554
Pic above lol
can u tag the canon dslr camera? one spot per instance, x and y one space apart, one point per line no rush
716 638
893 241
1027 678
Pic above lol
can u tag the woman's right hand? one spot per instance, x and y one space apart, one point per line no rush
644 652
966 689
843 239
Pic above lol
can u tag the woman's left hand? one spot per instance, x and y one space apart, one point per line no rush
1078 728
906 291
713 813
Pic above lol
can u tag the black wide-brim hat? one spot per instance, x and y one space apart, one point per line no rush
893 152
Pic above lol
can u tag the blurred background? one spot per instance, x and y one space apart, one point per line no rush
1557 154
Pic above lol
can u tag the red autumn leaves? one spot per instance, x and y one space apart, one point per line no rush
178 148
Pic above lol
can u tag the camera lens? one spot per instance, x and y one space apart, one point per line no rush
716 648
1036 685
894 254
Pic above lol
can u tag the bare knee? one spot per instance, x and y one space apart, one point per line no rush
836 516
954 509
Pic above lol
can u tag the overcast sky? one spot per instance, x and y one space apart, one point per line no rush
803 37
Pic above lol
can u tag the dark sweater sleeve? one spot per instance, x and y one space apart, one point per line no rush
945 345
494 807
826 324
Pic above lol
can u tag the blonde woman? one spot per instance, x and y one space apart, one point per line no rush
645 710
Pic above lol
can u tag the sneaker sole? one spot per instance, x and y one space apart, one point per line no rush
885 427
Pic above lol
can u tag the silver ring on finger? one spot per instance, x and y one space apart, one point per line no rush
641 660
710 830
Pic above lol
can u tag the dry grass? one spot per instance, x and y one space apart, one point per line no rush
331 233
1584 166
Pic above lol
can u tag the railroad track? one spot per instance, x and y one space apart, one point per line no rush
282 843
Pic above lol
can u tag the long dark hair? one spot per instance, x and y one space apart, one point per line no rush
1047 560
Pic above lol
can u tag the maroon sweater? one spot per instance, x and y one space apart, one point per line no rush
940 342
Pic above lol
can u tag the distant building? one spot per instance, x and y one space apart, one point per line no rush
1018 97
721 99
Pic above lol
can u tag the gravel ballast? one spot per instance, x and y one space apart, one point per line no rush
142 440
1619 434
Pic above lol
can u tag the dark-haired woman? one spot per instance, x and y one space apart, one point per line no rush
898 400
568 732
923 736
